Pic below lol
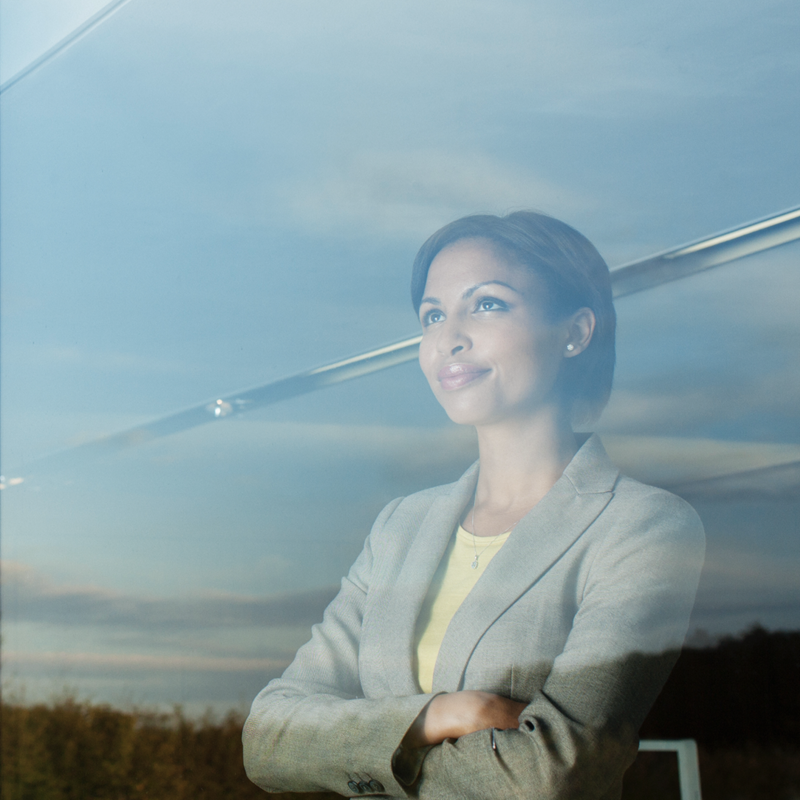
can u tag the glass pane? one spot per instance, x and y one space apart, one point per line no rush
199 198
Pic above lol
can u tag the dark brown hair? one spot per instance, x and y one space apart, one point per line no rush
575 276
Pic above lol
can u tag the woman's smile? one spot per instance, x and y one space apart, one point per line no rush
454 376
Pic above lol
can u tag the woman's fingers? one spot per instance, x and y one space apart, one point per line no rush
495 711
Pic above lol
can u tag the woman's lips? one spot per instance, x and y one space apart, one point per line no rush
454 376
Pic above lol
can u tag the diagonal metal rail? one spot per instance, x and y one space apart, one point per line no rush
713 251
637 276
249 399
67 42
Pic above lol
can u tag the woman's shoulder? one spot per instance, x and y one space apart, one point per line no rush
631 492
643 512
593 471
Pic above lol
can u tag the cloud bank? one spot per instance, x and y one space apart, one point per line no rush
30 597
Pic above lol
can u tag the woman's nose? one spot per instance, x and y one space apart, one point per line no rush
453 340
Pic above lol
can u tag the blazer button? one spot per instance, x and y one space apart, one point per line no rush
375 786
363 787
355 787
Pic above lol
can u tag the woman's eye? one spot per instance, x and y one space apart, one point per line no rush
432 317
490 304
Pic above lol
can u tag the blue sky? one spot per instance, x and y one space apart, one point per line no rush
199 198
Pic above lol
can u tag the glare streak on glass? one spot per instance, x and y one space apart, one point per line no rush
634 277
79 32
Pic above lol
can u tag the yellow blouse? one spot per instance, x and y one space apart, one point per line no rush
452 583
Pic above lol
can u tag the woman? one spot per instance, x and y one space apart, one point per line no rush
503 636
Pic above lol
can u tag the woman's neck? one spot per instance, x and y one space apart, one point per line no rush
520 461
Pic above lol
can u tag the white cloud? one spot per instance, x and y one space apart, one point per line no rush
410 194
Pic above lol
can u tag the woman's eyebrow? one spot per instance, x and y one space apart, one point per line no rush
469 292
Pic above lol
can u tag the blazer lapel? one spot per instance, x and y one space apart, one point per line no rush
409 591
537 542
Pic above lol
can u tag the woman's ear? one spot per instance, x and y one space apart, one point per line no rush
580 328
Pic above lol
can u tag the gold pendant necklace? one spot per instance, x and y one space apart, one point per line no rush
474 563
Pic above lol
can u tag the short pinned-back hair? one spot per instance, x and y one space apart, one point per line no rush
574 275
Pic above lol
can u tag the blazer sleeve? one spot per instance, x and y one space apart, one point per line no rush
312 729
580 731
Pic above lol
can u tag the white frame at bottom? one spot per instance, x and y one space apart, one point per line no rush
688 764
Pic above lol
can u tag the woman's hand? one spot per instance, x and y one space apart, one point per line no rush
449 716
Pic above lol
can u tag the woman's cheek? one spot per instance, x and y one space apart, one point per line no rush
425 364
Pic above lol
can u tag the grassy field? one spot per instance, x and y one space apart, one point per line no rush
740 700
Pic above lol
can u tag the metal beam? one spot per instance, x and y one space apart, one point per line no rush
713 251
237 403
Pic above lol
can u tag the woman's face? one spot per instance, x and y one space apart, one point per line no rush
488 350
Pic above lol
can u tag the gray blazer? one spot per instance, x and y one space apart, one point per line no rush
581 614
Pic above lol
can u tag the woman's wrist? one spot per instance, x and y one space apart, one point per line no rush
420 733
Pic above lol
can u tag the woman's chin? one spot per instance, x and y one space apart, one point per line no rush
482 417
466 414
462 420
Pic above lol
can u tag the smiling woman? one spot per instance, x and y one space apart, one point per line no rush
558 277
503 636
492 330
485 328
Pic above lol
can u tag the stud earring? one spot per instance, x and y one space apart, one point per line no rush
570 347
